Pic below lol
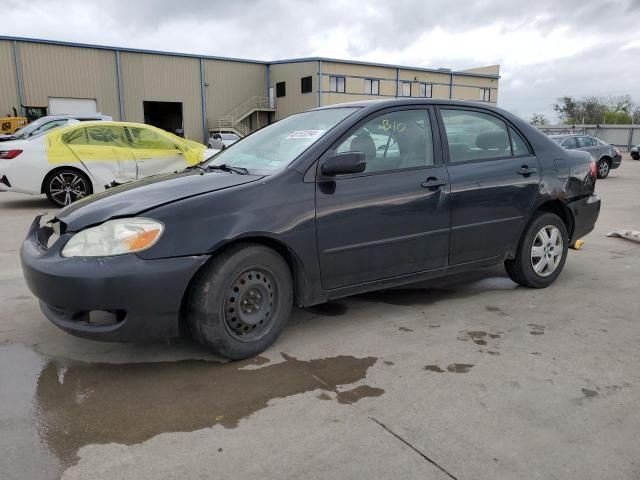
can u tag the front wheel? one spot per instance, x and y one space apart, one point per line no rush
603 168
65 186
240 301
635 156
541 253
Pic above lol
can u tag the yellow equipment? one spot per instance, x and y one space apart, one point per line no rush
8 125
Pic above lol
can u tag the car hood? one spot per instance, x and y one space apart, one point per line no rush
135 198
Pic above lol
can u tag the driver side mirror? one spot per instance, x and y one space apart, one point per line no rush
344 163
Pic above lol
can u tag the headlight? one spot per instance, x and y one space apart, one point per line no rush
115 237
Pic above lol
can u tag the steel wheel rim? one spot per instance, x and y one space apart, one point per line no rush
66 188
603 168
249 305
547 250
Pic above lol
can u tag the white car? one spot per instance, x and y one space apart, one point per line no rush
74 161
227 139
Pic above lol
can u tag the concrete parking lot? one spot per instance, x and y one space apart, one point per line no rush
468 378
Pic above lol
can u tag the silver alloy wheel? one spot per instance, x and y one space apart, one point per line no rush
67 187
603 168
547 250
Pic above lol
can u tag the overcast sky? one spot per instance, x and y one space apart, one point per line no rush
546 49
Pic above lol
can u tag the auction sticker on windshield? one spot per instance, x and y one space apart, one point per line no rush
304 134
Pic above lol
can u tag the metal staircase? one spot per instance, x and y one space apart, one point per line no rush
235 120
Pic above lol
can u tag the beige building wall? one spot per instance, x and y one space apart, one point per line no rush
163 78
230 84
294 101
65 71
8 85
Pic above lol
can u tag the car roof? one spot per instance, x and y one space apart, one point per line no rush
69 115
393 102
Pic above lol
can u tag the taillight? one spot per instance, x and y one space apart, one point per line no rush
9 154
593 169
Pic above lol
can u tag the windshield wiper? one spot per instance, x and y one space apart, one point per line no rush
228 168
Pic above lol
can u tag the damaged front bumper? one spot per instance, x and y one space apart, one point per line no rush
120 298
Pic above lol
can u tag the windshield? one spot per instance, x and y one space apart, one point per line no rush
277 145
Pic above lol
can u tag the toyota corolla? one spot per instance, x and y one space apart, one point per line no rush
324 204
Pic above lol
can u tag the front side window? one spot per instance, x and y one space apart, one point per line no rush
424 90
144 138
405 89
371 86
475 136
277 145
337 84
393 141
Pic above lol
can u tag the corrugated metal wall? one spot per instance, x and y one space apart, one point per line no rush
231 84
8 87
292 73
61 71
163 78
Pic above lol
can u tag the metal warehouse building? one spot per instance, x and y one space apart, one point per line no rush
193 95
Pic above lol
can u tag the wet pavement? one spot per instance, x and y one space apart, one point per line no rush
470 377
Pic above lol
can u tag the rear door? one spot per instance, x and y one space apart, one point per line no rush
589 144
105 152
155 153
494 181
392 219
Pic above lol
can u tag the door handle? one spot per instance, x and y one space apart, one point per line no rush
433 182
524 170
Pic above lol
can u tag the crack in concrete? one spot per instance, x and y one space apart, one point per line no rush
424 456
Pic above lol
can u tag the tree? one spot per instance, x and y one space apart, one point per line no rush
597 110
539 119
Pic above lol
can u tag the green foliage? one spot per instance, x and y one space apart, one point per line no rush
539 119
616 110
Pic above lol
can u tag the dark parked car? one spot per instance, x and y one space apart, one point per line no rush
323 204
606 156
635 152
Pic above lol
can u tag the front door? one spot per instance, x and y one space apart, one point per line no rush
494 182
393 219
155 153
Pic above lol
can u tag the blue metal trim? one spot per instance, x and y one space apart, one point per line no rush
451 86
397 83
203 102
19 79
319 83
120 86
233 59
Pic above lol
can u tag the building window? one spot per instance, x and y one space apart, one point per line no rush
306 85
281 89
336 84
371 87
405 89
485 94
425 90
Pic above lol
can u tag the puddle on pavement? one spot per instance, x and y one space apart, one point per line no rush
51 408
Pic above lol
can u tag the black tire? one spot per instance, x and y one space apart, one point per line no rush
56 183
604 167
636 156
216 310
521 269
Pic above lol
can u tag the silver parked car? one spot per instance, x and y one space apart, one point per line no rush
606 156
49 122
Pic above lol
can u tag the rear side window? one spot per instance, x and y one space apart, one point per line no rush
586 142
76 137
475 136
570 142
393 141
518 145
111 136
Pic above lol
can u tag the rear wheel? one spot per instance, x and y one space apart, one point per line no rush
603 168
67 185
541 253
635 156
241 301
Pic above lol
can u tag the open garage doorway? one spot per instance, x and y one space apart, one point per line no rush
165 115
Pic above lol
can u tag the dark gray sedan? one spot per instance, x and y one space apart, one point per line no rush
606 156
